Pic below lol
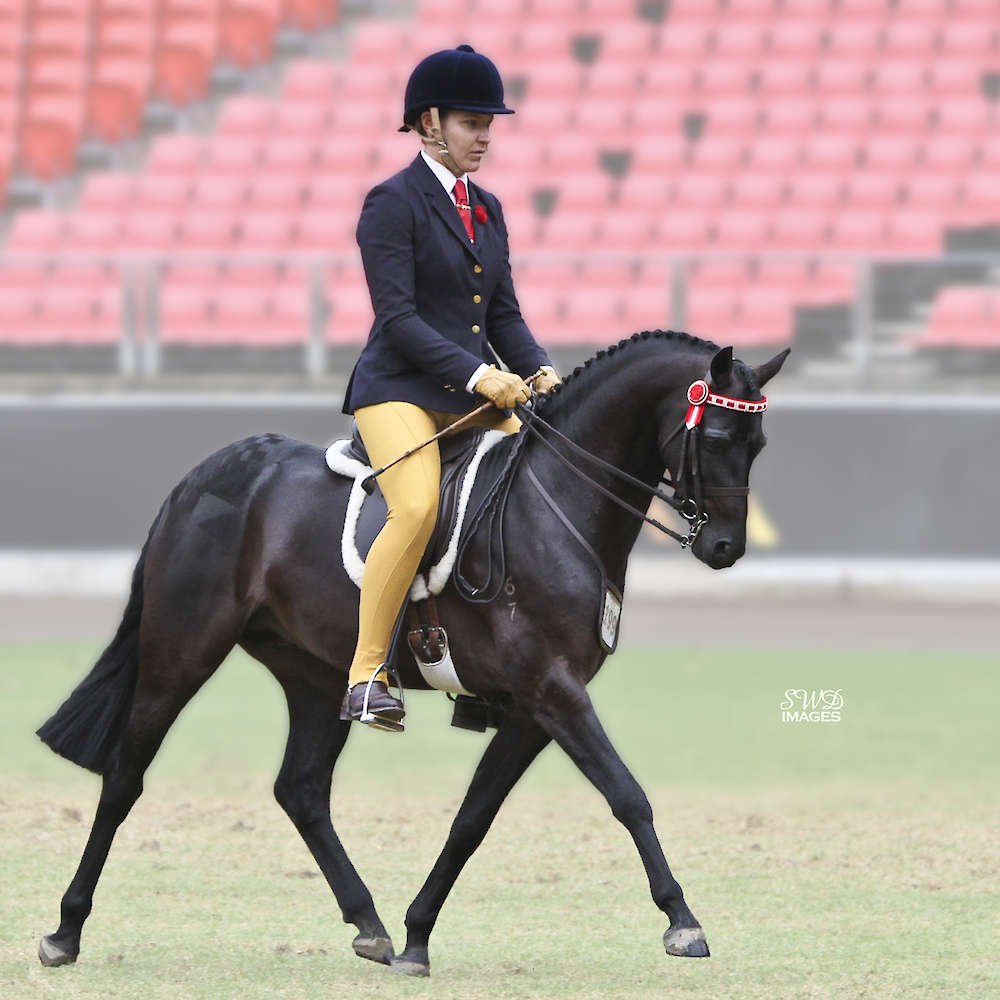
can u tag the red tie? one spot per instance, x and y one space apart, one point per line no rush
462 204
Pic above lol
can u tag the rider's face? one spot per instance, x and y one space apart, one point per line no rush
467 134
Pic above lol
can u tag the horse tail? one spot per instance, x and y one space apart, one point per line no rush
88 724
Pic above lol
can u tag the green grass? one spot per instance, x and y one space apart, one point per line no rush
850 859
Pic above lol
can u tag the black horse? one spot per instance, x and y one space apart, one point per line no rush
245 551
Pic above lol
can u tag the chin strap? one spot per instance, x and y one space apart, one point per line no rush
437 141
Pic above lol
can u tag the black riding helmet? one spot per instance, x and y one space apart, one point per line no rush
454 78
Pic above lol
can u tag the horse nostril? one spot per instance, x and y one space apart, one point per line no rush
723 548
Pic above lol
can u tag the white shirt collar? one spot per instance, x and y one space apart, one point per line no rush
444 175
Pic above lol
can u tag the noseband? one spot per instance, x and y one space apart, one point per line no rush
689 489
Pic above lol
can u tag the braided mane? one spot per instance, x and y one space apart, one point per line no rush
641 337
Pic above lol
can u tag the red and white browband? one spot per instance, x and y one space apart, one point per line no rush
700 396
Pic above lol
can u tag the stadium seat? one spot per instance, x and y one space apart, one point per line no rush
247 31
150 231
267 232
118 92
981 199
787 77
701 190
108 191
205 231
938 191
163 191
176 154
326 231
793 115
757 189
235 155
875 189
247 115
742 231
219 193
313 80
816 189
37 231
916 232
626 231
94 232
311 15
796 38
859 231
683 230
796 229
49 134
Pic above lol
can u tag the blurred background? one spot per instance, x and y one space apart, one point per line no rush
180 182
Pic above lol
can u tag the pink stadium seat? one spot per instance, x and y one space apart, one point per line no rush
683 39
96 232
949 153
108 191
292 154
830 281
587 190
712 315
909 36
722 153
788 77
336 192
313 80
618 78
184 64
724 77
327 231
795 229
989 152
247 115
622 230
593 314
150 231
905 78
797 38
176 154
268 232
969 36
981 199
859 231
735 116
718 273
830 152
290 314
658 153
701 190
855 36
81 314
37 231
878 189
351 312
752 10
845 76
184 315
640 190
235 155
771 152
791 115
949 76
163 191
670 79
757 189
545 41
739 39
915 232
567 230
851 114
933 191
906 115
282 192
241 315
816 189
646 307
789 273
204 231
896 153
214 193
49 134
765 315
962 315
742 231
597 116
651 115
969 116
628 40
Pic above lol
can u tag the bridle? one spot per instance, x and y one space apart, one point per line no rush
687 499
689 490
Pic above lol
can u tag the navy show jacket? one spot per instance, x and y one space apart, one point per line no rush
437 296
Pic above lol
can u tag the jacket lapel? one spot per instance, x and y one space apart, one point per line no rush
442 203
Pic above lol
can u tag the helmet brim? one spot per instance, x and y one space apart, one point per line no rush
484 109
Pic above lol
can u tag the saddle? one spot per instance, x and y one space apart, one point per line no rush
471 463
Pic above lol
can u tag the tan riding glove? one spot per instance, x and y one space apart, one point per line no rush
545 380
503 389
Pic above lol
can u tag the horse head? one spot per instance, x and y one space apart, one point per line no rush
711 465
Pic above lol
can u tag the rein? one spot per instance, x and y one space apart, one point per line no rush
689 490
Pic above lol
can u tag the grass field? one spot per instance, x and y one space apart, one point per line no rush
849 859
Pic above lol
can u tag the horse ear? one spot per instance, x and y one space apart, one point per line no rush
722 365
765 372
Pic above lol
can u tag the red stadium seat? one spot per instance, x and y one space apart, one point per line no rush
949 153
567 230
247 31
971 116
852 114
49 136
620 78
310 119
969 36
723 153
722 78
773 152
118 93
311 15
683 40
588 190
734 116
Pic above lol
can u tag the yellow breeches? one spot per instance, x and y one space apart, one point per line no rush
411 494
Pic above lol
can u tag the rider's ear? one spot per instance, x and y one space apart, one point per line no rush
765 372
722 365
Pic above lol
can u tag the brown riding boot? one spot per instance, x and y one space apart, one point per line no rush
373 705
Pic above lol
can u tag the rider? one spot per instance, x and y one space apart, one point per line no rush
435 254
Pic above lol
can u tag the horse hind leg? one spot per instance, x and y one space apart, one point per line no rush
316 736
168 677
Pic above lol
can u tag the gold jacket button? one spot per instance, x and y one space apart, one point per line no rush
477 299
478 269
475 328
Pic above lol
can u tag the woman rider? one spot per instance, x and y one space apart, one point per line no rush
435 254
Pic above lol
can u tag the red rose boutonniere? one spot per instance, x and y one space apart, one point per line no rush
481 215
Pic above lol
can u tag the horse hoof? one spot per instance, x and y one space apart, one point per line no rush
50 954
407 967
376 949
686 942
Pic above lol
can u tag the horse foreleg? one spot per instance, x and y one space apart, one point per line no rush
315 738
512 749
568 716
